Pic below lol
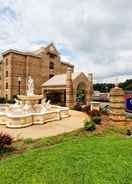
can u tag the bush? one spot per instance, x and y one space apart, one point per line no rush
95 113
89 125
97 119
5 140
129 116
2 100
28 140
77 107
11 101
105 110
86 108
129 132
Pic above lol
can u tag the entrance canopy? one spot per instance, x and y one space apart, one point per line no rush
58 85
58 81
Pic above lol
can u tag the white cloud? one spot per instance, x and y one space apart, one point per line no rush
98 33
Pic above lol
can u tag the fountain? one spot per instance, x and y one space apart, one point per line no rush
27 110
30 99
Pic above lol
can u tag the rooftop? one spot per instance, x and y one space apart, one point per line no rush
60 80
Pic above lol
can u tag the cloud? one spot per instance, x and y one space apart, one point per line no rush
95 35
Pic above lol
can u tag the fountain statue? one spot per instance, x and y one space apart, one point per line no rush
30 86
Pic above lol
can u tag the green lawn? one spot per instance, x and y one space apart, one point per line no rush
91 160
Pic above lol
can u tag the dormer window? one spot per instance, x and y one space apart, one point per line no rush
52 56
51 65
52 48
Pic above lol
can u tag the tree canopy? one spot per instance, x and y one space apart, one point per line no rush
105 87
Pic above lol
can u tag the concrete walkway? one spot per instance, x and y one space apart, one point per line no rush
75 121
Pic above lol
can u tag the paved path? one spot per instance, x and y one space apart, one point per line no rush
75 121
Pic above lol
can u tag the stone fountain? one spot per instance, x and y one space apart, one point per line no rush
27 110
30 99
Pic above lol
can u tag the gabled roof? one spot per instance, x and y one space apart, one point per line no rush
60 80
19 52
37 53
52 49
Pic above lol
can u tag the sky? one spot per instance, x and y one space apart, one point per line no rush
95 36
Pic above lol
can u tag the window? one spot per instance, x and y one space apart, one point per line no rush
51 65
6 73
50 76
6 61
52 56
6 85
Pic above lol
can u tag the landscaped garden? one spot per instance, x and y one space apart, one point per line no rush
75 158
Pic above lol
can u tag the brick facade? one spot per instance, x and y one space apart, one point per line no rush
40 65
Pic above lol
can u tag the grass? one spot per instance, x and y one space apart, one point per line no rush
76 158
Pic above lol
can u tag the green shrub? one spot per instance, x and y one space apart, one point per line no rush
28 140
129 132
89 125
2 100
105 110
97 119
11 101
129 116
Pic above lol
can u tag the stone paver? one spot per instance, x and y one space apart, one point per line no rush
75 121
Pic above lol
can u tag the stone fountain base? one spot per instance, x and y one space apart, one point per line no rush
16 116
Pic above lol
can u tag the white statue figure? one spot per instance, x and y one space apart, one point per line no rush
17 102
30 86
47 105
43 103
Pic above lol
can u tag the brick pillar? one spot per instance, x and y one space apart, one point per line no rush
89 91
117 106
69 88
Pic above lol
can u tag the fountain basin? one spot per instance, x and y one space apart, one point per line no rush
64 111
38 118
41 118
30 100
52 115
19 121
3 118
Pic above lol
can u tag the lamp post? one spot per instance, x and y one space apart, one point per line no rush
19 85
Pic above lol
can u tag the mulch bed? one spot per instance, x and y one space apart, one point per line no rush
105 124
